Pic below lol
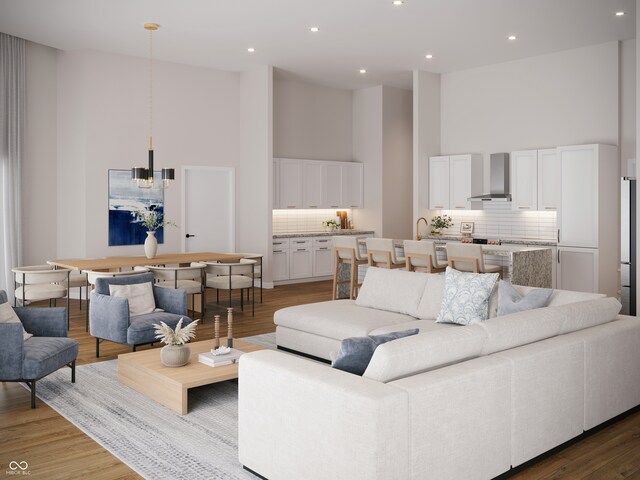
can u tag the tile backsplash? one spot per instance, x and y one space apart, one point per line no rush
301 221
498 220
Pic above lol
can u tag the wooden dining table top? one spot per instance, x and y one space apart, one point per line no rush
108 263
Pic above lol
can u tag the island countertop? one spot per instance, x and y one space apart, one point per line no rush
324 234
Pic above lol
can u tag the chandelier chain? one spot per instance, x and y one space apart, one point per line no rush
150 89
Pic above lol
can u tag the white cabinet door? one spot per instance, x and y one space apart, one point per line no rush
352 185
312 184
322 262
524 180
578 269
554 267
280 269
578 222
333 185
460 186
548 180
276 183
439 183
290 183
301 263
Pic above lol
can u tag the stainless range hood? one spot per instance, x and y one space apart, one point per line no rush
499 170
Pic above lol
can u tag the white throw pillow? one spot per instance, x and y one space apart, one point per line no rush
466 297
8 315
392 290
432 297
140 296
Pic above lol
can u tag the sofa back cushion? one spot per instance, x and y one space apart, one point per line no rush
420 353
392 290
102 283
431 300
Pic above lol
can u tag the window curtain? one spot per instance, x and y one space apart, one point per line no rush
12 128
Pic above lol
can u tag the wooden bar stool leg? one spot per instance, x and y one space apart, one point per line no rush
336 268
354 276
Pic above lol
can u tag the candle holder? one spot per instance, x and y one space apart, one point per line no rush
229 327
216 335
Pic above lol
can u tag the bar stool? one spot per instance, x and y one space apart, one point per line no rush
346 251
469 258
382 253
421 256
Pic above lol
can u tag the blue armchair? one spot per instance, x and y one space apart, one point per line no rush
48 350
109 317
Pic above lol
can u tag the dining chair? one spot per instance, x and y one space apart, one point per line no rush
190 279
421 256
468 257
346 251
257 268
381 252
41 282
231 276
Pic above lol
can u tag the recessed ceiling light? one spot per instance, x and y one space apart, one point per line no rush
251 49
512 37
314 29
428 56
362 70
619 14
397 2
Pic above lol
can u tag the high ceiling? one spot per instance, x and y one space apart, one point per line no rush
387 40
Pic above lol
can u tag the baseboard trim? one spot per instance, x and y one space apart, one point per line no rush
254 473
305 355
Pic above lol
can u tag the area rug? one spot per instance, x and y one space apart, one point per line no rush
151 439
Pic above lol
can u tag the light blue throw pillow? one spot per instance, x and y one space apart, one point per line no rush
510 301
356 352
466 297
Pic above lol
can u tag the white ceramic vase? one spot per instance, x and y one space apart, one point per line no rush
175 355
151 245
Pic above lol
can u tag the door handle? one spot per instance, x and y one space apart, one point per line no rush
189 235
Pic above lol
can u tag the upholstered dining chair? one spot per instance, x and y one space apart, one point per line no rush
41 282
346 251
381 252
48 349
232 276
468 257
189 279
110 317
421 256
257 269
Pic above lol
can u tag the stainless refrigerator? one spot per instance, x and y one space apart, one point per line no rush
628 245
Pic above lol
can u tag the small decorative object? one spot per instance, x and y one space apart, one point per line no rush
229 327
329 224
152 220
220 350
216 328
439 222
466 228
175 353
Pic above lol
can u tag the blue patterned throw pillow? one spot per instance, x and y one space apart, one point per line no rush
466 297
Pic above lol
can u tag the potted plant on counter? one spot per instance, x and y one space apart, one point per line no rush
329 225
440 222
152 220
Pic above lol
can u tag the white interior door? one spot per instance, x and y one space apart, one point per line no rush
208 202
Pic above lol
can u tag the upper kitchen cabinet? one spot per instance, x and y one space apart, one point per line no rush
439 183
465 175
524 180
276 183
313 174
290 186
352 185
549 172
333 185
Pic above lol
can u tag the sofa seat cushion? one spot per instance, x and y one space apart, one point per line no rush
392 290
41 291
43 355
425 326
337 319
420 353
141 329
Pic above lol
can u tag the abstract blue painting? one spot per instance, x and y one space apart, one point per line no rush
125 199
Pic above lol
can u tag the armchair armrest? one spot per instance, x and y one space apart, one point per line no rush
109 317
171 300
11 351
294 414
44 322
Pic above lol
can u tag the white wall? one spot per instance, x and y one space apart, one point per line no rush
311 121
39 188
564 98
104 124
397 171
627 103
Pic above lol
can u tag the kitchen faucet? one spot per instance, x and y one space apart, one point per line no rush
426 224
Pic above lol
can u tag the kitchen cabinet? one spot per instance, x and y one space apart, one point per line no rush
300 258
577 269
313 174
453 179
280 259
333 185
290 183
524 180
439 183
352 185
276 183
322 257
549 172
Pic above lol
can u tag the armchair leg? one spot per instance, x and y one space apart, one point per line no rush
32 384
72 365
133 348
97 347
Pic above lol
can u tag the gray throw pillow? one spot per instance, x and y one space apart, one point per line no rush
466 297
356 352
510 301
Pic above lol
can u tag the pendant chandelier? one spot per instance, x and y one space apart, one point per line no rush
144 176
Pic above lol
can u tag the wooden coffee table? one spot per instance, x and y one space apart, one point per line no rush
144 372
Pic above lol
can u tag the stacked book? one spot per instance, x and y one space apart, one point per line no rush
212 360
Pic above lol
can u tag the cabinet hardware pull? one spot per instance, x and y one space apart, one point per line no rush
558 256
291 206
458 206
550 208
558 235
302 249
324 248
277 251
438 206
354 206
335 206
313 206
524 208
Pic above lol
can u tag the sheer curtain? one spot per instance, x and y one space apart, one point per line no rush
12 128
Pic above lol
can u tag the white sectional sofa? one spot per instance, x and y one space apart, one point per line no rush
453 402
